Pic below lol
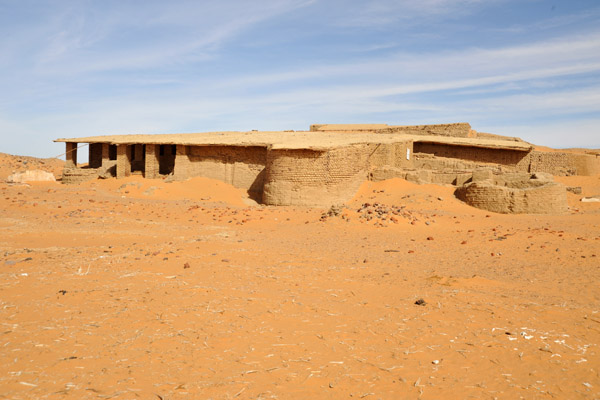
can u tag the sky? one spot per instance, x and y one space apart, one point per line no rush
526 68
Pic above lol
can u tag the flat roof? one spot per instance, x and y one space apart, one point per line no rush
319 141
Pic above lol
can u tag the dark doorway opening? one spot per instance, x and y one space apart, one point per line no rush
166 159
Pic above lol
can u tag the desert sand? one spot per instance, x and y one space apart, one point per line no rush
142 289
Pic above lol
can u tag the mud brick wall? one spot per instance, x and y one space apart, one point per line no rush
95 155
430 162
562 163
242 167
389 155
123 161
71 176
586 164
553 163
461 129
468 153
550 198
316 178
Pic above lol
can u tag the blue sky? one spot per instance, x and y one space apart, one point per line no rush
527 68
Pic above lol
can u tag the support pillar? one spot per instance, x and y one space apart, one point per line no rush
151 169
71 155
105 156
123 161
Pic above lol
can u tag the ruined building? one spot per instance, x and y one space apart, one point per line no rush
325 165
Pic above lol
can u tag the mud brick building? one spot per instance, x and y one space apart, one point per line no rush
322 166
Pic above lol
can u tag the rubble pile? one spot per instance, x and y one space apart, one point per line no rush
376 213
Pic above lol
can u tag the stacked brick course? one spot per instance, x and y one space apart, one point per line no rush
549 198
123 161
151 162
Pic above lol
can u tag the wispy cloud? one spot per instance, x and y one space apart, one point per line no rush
88 68
393 75
82 39
383 12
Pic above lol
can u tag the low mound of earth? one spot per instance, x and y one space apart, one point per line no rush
10 164
146 289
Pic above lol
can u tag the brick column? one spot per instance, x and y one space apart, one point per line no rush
152 163
105 156
123 161
71 155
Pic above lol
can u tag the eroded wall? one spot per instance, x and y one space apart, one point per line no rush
471 153
242 167
460 129
439 156
564 163
396 155
312 177
548 198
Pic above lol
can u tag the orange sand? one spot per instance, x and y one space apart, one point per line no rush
135 288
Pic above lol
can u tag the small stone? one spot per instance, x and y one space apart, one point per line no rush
186 265
420 302
429 237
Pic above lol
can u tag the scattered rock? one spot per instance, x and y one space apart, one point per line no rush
186 265
333 211
421 302
574 189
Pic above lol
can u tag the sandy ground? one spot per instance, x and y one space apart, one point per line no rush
141 289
